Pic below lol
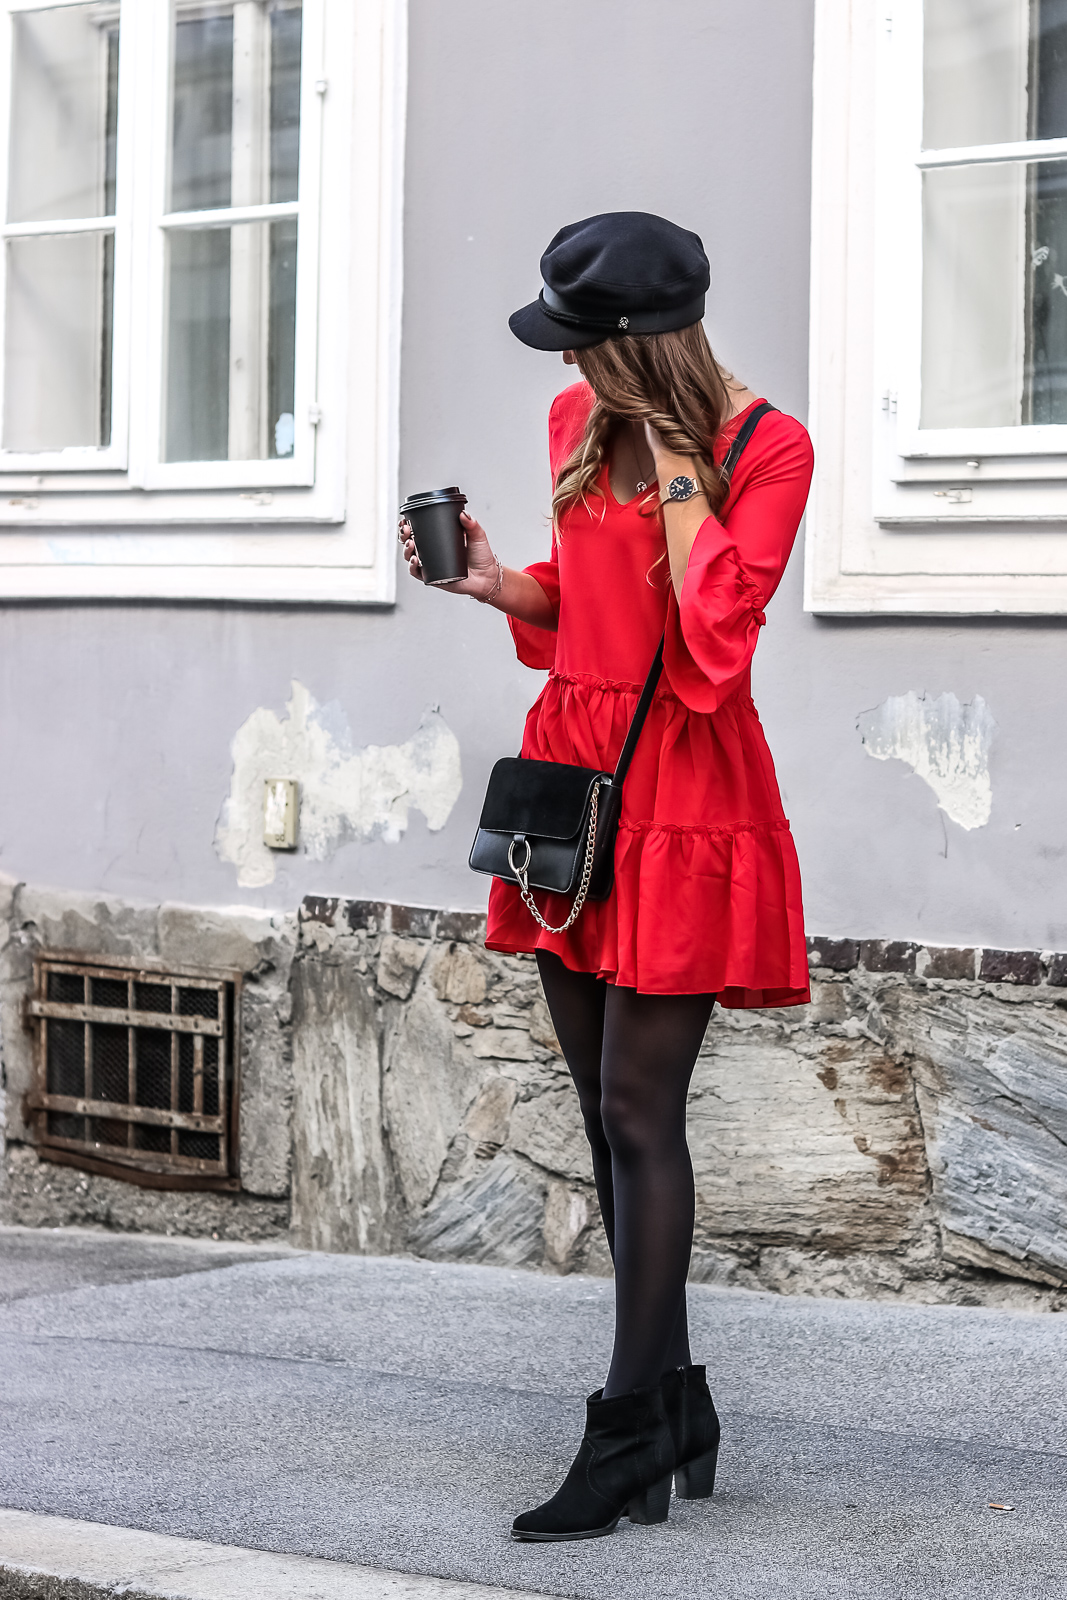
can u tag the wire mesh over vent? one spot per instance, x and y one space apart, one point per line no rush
135 1072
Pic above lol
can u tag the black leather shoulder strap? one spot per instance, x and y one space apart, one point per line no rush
744 434
637 722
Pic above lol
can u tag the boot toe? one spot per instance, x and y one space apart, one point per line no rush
546 1524
574 1512
531 1524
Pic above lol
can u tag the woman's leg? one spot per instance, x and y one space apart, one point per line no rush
649 1051
576 1004
666 1029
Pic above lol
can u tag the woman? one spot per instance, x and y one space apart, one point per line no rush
706 904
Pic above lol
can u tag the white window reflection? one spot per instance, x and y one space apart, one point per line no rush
64 107
59 311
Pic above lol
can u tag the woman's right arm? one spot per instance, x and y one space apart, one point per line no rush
506 589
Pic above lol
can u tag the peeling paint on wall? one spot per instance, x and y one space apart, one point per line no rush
344 793
946 744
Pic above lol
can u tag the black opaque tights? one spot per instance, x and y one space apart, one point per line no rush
631 1057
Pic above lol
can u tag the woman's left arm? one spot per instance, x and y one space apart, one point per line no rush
723 574
682 519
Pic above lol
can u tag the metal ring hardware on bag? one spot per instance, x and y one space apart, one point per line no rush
522 873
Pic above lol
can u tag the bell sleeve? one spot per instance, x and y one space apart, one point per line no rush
735 566
536 647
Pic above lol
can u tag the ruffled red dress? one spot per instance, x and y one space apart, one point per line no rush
707 893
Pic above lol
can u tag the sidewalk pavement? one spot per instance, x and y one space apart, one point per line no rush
54 1558
395 1414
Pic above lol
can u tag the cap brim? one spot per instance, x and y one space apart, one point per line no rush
536 328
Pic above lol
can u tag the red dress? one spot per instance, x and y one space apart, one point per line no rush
707 885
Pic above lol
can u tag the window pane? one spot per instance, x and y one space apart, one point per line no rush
203 112
284 102
975 66
64 106
974 226
1049 71
1045 399
994 70
995 296
57 358
236 117
231 342
281 340
198 345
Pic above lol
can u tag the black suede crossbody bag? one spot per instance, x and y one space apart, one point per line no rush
547 825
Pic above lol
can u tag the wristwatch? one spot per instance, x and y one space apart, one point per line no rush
680 488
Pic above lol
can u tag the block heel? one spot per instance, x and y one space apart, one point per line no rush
652 1504
694 1429
696 1480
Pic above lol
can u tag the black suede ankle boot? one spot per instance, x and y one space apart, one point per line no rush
694 1429
623 1465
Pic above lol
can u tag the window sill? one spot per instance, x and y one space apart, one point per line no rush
294 582
25 507
280 546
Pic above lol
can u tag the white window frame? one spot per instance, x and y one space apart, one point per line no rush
122 522
903 520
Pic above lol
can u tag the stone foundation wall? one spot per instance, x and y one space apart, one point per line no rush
905 1136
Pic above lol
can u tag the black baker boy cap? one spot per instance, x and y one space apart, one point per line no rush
618 273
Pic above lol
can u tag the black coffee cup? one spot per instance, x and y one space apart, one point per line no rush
440 542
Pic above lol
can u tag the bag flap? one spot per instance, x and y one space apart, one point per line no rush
542 798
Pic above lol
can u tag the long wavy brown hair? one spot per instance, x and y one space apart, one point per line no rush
671 380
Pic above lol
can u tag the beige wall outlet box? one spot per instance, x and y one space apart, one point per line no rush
281 800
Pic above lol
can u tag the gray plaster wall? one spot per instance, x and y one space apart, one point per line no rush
116 721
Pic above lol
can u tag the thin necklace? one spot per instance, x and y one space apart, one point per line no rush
641 483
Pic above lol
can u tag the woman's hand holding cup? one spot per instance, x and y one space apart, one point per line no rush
482 569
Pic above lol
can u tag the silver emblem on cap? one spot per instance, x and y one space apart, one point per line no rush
624 322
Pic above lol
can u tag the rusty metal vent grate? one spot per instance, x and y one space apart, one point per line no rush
135 1072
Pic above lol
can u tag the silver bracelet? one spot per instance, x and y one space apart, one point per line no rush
484 599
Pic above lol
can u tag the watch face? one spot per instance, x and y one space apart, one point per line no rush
681 488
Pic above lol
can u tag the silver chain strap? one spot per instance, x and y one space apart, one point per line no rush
522 873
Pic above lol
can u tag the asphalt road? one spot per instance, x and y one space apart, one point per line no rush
398 1414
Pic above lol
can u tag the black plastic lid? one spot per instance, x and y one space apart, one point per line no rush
429 497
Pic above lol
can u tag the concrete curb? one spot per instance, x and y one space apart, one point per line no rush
54 1558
